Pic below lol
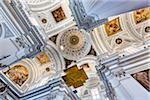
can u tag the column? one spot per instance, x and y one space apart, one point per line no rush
120 92
117 89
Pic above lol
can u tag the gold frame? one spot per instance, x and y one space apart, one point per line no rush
112 27
59 14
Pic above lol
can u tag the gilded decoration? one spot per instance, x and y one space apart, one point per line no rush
42 58
75 77
141 15
112 27
18 74
59 14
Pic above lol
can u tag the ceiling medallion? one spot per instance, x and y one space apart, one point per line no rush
118 41
44 21
47 69
74 44
74 40
147 29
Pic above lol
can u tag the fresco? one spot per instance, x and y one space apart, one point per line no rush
42 58
58 14
18 74
141 15
143 78
112 27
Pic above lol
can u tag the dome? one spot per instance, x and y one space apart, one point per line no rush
73 43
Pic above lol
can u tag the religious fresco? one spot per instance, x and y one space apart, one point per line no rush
42 58
59 14
75 77
141 15
18 74
112 27
143 78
